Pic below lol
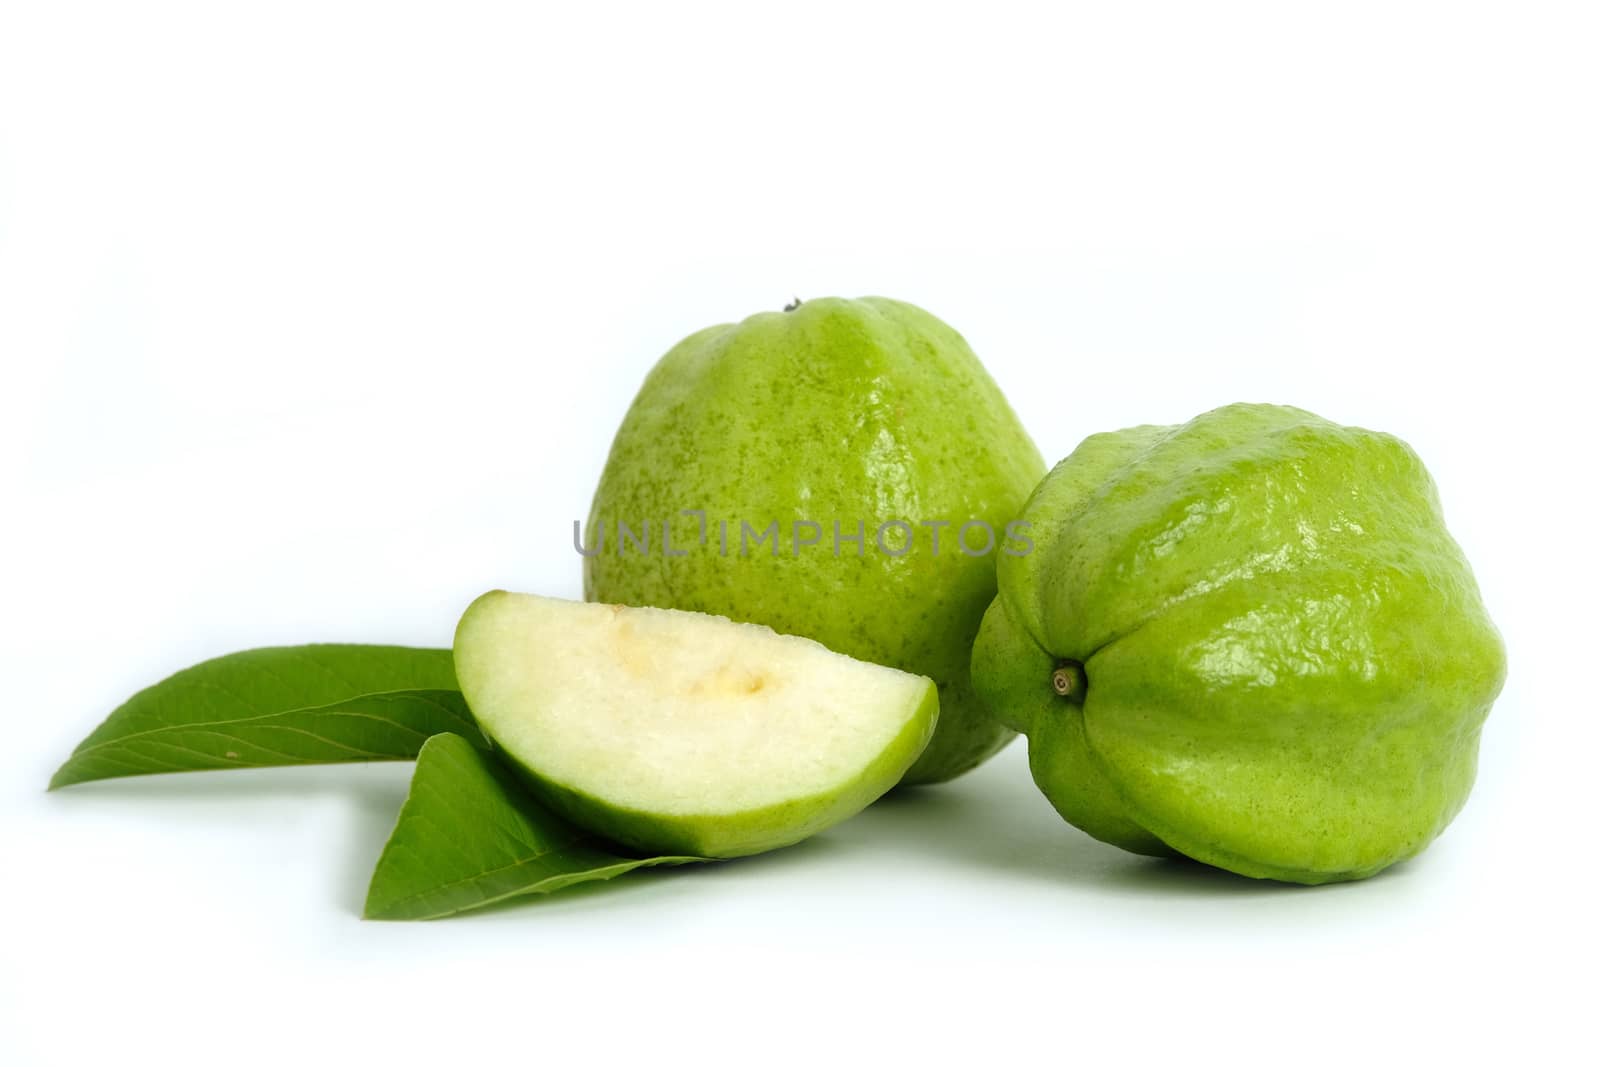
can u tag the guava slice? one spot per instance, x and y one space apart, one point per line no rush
673 731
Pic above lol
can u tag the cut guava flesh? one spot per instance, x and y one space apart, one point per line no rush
676 731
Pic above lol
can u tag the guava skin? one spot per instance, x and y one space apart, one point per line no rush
1287 663
842 411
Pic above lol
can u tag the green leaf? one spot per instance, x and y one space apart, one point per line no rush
470 835
277 706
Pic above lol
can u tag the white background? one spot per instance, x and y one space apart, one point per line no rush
316 320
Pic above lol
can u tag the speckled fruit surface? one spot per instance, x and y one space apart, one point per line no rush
830 420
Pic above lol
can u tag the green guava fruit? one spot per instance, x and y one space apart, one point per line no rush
1248 639
678 733
843 470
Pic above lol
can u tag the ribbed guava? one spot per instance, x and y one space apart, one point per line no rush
1248 639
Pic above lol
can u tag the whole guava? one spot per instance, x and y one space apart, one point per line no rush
1248 639
843 470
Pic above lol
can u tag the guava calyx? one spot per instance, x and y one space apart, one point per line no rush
1069 681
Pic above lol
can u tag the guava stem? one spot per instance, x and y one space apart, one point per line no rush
791 305
1069 681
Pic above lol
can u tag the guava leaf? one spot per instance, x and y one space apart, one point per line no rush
280 706
470 835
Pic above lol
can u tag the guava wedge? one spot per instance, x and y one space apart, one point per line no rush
677 732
